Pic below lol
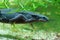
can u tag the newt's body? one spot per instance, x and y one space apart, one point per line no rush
20 17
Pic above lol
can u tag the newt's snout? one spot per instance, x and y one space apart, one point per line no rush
42 18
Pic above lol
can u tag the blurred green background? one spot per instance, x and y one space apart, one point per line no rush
50 8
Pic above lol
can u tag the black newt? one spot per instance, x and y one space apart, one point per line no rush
20 17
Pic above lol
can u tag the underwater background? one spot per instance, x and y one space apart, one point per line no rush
42 30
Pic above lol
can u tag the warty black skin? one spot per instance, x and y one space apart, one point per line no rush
21 17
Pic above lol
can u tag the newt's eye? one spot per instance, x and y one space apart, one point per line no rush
44 17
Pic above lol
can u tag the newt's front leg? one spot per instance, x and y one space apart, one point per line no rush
20 16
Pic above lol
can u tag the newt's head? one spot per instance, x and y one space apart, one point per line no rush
41 18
